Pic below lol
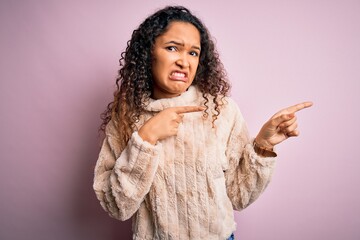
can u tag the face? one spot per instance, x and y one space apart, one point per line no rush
176 55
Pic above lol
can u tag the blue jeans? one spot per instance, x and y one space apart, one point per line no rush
232 237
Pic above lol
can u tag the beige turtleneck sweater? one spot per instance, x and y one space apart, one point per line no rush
186 186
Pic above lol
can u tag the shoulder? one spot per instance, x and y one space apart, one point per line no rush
113 138
230 114
230 103
229 107
110 128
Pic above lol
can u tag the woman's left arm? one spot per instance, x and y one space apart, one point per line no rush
249 171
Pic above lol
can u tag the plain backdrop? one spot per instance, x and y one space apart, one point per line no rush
58 64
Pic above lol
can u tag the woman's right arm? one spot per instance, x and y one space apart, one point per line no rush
121 183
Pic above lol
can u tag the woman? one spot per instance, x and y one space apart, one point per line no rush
177 156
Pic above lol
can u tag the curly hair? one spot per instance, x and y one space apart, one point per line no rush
134 82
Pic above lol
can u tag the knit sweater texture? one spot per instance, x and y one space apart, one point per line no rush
185 186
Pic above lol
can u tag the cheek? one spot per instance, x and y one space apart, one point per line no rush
195 65
156 68
159 64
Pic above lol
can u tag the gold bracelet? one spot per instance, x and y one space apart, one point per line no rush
263 151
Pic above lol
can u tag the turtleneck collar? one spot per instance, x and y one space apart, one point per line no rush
191 97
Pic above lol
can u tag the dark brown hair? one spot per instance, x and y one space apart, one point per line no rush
134 82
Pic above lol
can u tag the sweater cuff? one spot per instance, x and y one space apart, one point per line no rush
255 158
145 146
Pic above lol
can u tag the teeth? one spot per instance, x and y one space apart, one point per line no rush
177 74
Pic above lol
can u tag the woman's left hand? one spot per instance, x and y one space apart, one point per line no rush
280 126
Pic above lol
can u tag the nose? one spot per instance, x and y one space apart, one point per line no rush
183 61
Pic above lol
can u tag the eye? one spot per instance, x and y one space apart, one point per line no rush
171 48
194 53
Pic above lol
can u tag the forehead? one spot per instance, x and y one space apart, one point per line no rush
181 31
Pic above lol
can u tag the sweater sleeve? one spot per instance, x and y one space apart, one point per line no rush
248 174
122 182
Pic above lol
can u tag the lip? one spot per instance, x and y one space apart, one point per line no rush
177 76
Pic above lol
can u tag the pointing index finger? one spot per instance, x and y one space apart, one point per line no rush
298 107
293 109
189 109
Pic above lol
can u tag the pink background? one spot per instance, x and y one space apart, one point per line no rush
58 63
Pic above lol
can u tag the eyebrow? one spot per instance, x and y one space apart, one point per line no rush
181 44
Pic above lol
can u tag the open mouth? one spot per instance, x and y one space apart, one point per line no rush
180 76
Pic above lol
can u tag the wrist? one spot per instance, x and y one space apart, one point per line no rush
263 144
262 151
147 136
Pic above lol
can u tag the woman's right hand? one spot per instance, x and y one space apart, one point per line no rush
165 123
